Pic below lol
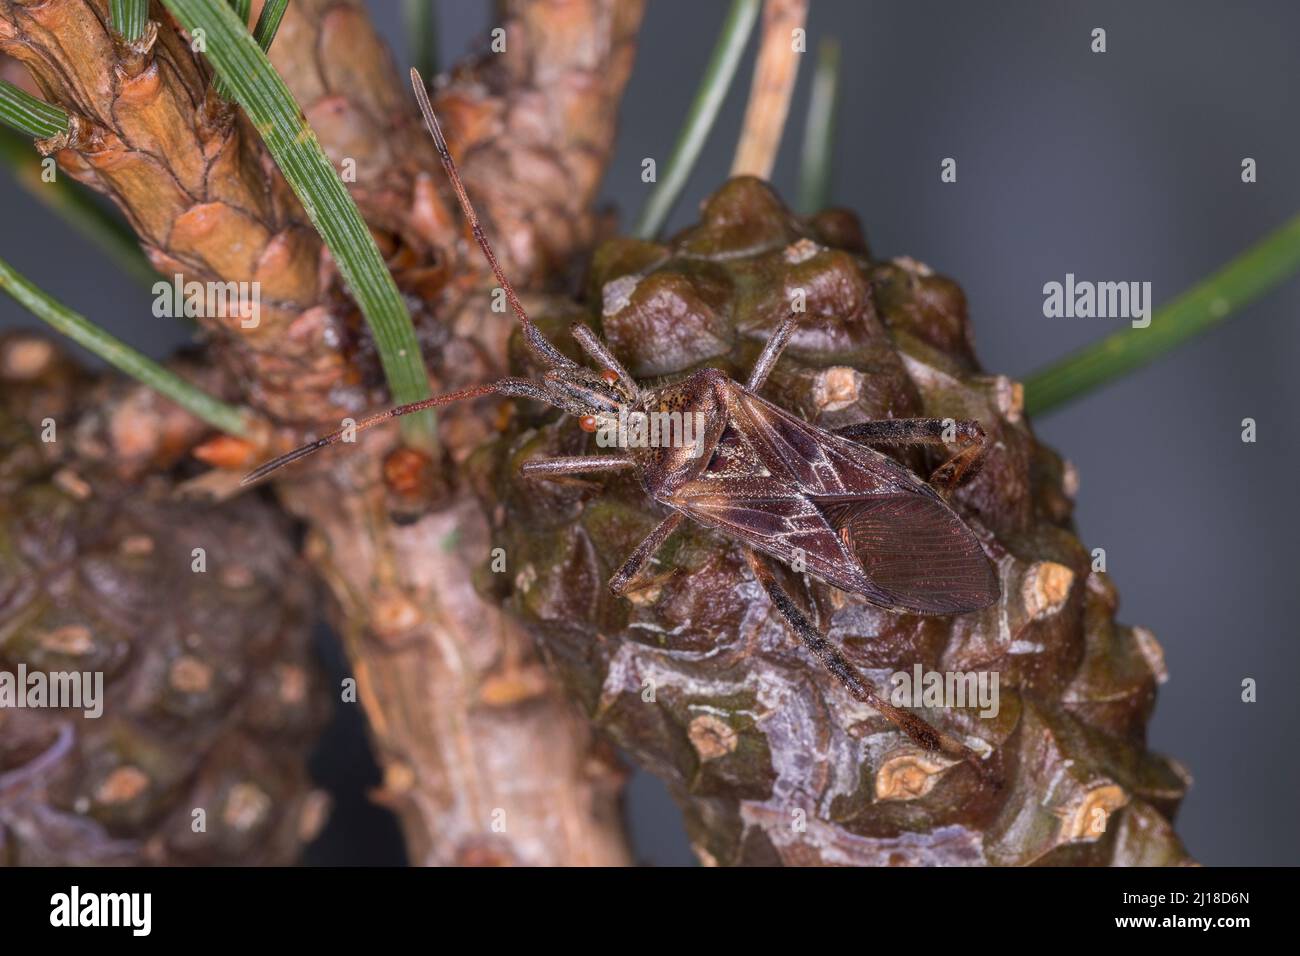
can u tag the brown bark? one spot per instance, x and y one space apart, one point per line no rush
464 720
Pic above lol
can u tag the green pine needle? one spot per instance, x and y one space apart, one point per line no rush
718 75
121 356
75 206
129 17
255 85
422 35
819 130
268 22
242 8
1256 271
29 115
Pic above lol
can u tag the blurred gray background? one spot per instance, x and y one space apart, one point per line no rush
1116 166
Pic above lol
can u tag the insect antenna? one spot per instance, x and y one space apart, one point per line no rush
507 386
548 353
550 356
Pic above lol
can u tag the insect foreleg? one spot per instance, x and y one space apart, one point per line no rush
962 466
621 582
584 464
771 352
919 730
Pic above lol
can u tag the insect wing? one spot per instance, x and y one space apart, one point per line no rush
845 513
812 460
916 552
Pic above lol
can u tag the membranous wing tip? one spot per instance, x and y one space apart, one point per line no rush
915 550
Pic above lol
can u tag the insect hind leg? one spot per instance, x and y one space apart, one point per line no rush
960 468
622 580
915 727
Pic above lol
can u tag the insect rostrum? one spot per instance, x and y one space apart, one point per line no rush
822 500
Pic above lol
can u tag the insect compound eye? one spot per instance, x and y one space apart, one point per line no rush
587 423
609 376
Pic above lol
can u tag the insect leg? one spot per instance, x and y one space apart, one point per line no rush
598 350
621 582
919 730
771 352
962 466
554 467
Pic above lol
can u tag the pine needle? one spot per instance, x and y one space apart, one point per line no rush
242 65
28 115
268 23
75 206
129 17
422 35
775 72
719 73
1256 271
816 163
121 356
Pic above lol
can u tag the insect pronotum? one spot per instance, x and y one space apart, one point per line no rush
780 487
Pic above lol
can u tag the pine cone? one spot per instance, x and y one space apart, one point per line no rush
700 679
210 694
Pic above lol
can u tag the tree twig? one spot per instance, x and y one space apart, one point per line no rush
775 71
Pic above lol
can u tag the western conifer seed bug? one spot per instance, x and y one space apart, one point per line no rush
780 487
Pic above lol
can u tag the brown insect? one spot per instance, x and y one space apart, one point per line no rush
821 500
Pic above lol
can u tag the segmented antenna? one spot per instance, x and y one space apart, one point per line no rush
544 350
302 451
549 354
